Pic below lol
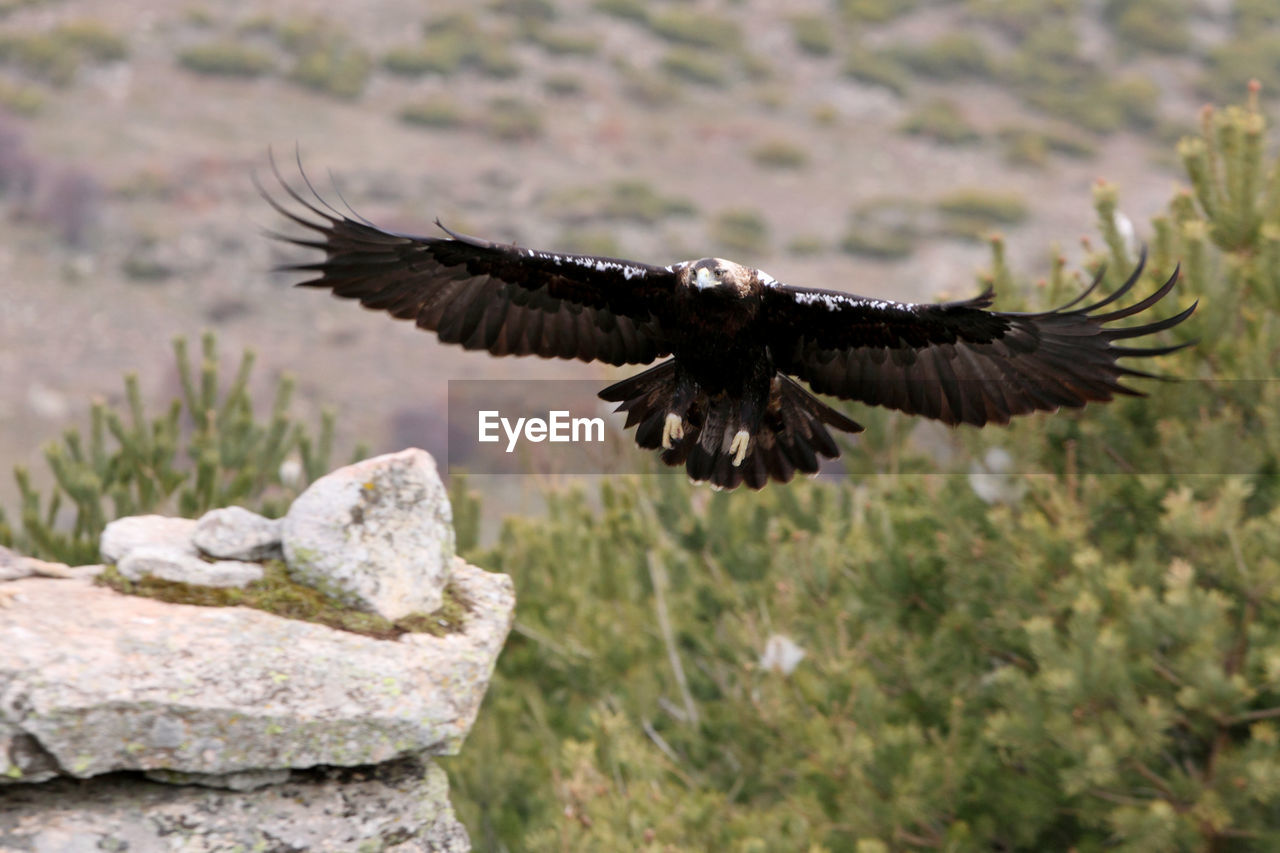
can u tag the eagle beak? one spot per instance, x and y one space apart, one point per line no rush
704 280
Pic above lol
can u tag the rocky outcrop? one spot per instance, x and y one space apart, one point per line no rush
95 684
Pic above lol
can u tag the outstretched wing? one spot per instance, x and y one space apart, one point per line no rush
501 298
956 361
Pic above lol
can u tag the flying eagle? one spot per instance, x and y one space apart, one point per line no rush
725 404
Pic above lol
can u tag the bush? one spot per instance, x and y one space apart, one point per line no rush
973 213
696 67
941 121
877 69
743 231
695 29
512 120
207 450
227 59
441 111
780 154
1090 661
1162 26
336 67
813 34
946 58
631 10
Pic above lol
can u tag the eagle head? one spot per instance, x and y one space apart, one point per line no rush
716 275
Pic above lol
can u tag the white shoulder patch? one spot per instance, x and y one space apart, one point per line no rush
836 301
629 271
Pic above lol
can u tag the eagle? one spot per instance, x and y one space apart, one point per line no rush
726 401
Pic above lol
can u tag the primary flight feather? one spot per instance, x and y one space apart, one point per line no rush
724 404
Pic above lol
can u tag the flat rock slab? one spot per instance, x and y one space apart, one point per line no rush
401 807
93 681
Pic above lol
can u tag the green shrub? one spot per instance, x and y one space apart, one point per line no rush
948 57
441 111
227 59
41 56
207 450
973 213
565 42
1230 66
631 10
433 56
696 67
743 231
780 154
336 68
813 34
941 121
512 120
55 55
878 69
874 11
806 245
1019 18
1028 146
20 100
1162 26
690 27
563 85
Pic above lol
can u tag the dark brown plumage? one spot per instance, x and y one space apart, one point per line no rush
724 405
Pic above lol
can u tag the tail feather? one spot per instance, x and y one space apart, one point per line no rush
793 434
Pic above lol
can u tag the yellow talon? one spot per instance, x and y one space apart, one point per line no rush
672 429
741 440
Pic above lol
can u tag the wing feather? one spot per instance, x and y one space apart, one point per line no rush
959 362
501 298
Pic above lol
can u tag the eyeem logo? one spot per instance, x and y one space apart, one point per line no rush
558 427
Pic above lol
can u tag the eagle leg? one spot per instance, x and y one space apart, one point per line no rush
741 442
672 430
681 399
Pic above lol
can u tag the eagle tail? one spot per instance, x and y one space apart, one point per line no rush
792 436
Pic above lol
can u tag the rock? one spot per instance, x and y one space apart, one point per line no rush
401 807
14 565
171 564
124 534
377 534
235 533
245 780
92 682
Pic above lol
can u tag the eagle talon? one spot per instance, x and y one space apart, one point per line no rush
672 430
741 440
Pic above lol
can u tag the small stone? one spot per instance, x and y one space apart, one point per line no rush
124 534
172 564
377 534
235 533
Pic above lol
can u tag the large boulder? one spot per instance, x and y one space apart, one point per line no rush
377 534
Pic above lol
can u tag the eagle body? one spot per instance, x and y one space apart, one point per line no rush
730 342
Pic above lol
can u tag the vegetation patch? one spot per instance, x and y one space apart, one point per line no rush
877 69
440 111
973 213
942 121
741 230
277 594
227 58
780 154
